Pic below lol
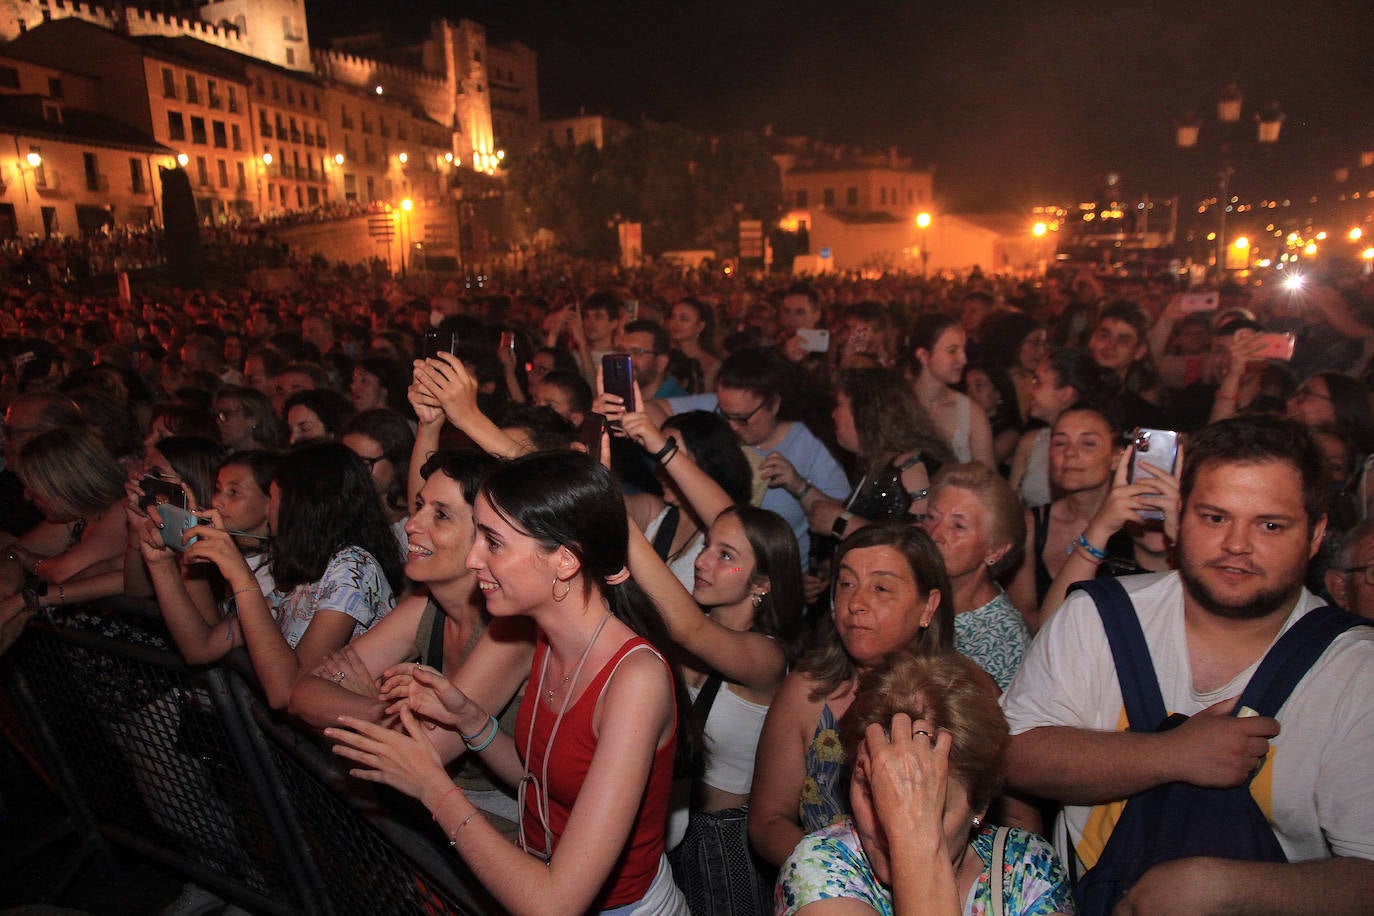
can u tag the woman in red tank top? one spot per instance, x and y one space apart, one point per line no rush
601 721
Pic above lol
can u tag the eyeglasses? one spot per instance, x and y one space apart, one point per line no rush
1367 571
371 462
1307 394
636 351
740 419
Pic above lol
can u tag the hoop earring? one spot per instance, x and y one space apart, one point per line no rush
554 590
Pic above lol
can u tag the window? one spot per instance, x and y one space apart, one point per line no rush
243 175
223 168
169 83
192 91
351 187
176 126
851 197
202 171
197 130
136 176
276 91
236 135
217 131
55 87
91 166
801 197
829 195
212 96
40 175
233 100
882 195
290 94
9 77
290 57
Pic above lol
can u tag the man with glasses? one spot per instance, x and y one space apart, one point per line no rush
646 343
750 397
1350 578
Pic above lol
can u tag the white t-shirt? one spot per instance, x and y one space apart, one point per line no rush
1314 787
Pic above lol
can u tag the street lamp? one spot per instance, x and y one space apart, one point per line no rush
923 223
34 159
338 158
183 159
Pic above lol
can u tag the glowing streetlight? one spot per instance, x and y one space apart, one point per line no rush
403 158
448 157
1368 254
266 158
500 154
1310 249
183 159
1039 230
1241 244
338 158
1356 234
407 205
923 220
378 89
34 159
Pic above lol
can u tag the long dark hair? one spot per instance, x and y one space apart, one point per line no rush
716 451
196 460
828 663
566 499
776 558
889 420
328 503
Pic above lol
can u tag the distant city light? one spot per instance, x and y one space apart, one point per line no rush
1368 254
1293 283
407 205
378 89
266 158
182 159
1039 229
1356 234
923 220
1241 243
34 159
448 157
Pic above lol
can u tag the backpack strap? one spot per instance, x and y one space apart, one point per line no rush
1135 670
1292 656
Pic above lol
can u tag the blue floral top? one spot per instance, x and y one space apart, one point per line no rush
825 793
353 583
830 863
995 636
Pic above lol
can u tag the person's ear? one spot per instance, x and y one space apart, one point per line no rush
992 559
565 563
1335 587
932 605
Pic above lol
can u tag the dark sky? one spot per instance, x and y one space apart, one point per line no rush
1015 103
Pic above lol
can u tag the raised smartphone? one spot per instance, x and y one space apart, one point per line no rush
618 377
1158 447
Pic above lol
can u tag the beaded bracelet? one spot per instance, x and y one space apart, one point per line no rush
1088 548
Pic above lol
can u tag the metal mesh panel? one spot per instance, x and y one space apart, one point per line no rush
365 872
151 757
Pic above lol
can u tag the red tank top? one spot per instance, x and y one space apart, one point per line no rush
575 744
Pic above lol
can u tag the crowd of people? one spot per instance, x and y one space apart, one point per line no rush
837 604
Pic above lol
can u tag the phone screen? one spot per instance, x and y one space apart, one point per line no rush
157 491
437 342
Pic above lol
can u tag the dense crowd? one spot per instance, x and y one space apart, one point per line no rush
667 591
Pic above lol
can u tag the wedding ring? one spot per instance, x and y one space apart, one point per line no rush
922 731
338 678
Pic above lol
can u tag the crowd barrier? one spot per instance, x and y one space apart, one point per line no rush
188 768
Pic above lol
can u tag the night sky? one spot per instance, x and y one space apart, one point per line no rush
1015 103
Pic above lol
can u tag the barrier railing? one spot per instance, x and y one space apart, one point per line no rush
189 769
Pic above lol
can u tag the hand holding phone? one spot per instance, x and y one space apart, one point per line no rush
1157 447
176 522
157 492
618 378
1274 346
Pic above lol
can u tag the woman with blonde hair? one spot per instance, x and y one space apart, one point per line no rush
978 525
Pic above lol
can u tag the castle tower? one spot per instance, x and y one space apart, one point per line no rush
272 30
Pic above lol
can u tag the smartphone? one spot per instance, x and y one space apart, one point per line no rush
437 342
814 340
593 425
1158 447
508 341
157 492
1275 346
176 522
618 377
1198 302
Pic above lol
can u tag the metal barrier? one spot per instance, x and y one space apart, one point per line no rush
188 768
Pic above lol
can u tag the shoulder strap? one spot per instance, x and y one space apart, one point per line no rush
706 698
1040 515
1292 656
1135 670
663 538
999 856
914 460
434 658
